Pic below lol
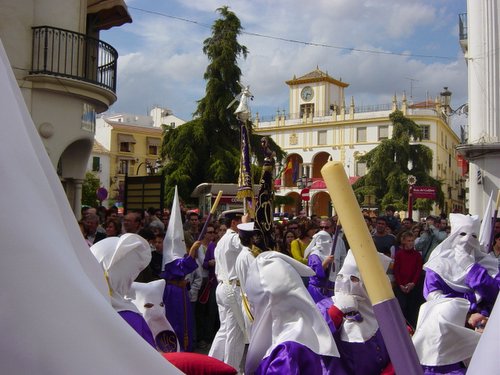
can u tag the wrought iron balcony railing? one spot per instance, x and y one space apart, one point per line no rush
462 26
64 53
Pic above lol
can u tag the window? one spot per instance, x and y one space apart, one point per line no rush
125 147
360 169
426 132
126 142
383 132
124 166
96 164
153 145
361 135
306 109
322 138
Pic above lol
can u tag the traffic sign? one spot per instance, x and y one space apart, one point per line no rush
304 194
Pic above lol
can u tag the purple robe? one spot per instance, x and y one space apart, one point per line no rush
176 299
293 358
137 322
319 286
209 255
455 369
477 279
360 358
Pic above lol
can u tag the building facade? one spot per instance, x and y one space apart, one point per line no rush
321 127
100 165
66 74
133 144
480 41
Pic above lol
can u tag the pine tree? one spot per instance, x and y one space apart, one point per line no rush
206 149
392 161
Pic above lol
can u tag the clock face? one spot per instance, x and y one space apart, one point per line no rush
307 93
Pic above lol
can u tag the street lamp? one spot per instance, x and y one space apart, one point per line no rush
412 180
445 97
445 100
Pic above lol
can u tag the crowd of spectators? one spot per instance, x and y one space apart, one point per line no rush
409 243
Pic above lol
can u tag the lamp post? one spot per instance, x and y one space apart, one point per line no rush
412 180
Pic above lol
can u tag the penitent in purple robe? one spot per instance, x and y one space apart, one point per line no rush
293 358
477 279
176 300
369 357
319 286
137 322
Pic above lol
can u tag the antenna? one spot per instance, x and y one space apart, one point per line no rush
411 86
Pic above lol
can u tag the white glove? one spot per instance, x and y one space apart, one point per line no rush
345 303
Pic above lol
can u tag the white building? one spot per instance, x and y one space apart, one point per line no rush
132 144
480 40
66 74
100 165
321 127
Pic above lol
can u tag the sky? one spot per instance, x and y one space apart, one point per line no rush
379 47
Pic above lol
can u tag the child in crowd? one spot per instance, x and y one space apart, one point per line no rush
407 272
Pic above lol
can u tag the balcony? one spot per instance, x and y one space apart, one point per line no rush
84 62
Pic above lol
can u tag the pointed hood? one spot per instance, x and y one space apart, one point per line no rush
60 309
486 226
321 245
445 261
174 245
149 302
283 309
122 259
441 337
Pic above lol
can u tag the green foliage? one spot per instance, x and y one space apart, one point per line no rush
89 190
392 161
207 148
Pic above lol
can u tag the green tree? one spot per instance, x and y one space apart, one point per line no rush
206 149
89 189
392 161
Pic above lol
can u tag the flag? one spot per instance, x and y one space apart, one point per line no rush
486 225
289 166
295 174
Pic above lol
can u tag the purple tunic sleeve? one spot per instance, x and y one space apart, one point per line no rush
482 283
137 322
179 268
319 286
323 307
315 263
434 282
294 359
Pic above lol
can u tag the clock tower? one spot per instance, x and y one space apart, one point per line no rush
315 93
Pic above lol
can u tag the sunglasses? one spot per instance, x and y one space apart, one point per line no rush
325 227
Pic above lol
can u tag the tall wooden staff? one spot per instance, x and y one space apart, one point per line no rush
385 305
245 189
209 217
